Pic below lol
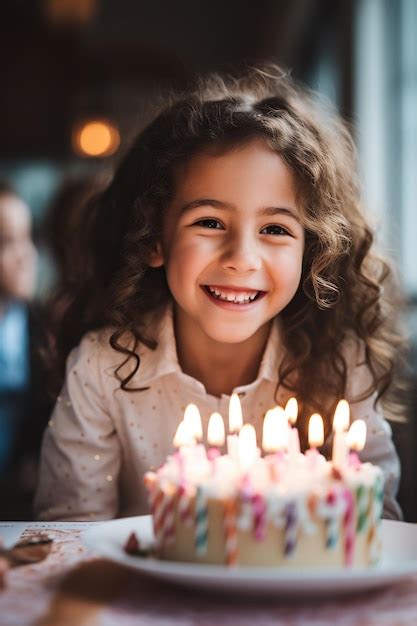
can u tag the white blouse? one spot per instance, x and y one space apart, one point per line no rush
101 440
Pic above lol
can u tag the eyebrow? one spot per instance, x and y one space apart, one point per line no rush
218 204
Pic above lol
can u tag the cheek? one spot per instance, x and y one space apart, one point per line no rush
287 267
185 262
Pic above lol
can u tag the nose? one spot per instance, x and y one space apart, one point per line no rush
241 254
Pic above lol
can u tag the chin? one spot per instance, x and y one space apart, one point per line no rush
229 335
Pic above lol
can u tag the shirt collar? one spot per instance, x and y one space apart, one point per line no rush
164 359
272 356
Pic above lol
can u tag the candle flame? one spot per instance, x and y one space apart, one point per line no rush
215 431
315 431
193 419
183 435
291 410
235 414
341 417
247 447
356 436
275 434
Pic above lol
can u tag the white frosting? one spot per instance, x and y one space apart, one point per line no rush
281 480
222 475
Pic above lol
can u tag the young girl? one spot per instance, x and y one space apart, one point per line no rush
230 253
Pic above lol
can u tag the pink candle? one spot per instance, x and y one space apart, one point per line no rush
355 440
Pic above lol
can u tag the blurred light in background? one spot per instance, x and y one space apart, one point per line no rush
95 138
69 12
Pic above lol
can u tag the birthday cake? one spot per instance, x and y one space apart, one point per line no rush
284 509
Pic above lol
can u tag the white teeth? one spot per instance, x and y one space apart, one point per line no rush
241 298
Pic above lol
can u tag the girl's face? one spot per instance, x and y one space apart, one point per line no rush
232 242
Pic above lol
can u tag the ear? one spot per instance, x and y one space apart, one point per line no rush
156 258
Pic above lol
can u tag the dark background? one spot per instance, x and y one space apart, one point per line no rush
106 56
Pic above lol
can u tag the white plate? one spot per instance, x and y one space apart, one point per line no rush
399 562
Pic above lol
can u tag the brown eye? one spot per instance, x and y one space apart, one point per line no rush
274 229
209 223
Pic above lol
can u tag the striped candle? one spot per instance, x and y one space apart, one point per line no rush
362 506
230 532
332 528
290 529
159 513
244 521
376 511
330 510
378 498
201 521
246 510
168 530
349 527
259 516
185 509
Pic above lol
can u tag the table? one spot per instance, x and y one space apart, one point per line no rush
73 586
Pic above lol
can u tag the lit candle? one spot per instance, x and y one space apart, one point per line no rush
356 439
235 424
291 412
247 449
184 436
192 417
215 434
275 431
315 431
183 441
315 439
340 426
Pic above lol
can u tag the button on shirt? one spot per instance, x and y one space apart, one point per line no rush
101 440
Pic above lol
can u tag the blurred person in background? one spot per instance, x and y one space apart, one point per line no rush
66 223
65 218
23 409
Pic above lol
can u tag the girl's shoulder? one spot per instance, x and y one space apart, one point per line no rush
95 356
359 378
92 360
93 348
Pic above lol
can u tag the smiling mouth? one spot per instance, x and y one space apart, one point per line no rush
245 296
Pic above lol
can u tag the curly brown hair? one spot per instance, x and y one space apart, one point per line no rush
346 294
